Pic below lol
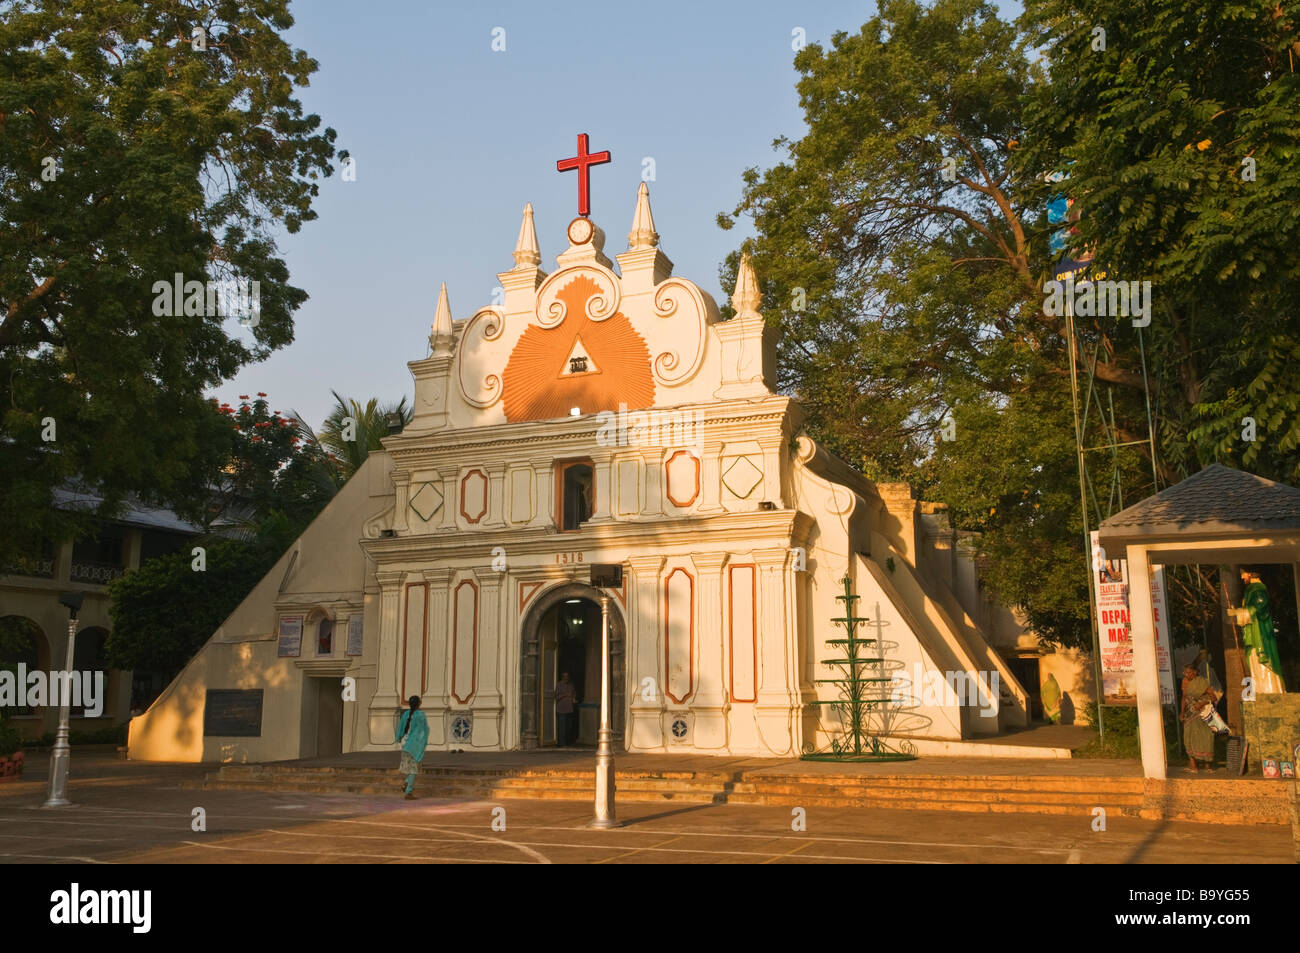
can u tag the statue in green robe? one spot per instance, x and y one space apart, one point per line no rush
1256 621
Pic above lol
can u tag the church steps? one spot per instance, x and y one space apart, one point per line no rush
1211 801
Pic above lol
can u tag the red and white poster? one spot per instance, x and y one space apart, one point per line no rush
1114 635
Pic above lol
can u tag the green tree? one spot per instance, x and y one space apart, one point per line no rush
273 485
1178 131
897 261
166 610
138 141
352 430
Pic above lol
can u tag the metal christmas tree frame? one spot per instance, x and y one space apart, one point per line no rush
862 695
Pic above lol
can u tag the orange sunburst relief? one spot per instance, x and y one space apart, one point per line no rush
581 362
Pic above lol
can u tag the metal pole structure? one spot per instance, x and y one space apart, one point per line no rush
604 818
61 756
1083 502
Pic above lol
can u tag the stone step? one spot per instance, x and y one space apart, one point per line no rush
939 782
963 806
484 792
792 789
1236 802
795 796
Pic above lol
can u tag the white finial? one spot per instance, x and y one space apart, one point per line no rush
643 234
746 298
527 253
440 338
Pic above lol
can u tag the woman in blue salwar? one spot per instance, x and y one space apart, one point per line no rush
412 735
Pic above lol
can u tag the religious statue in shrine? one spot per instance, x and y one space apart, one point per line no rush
1256 621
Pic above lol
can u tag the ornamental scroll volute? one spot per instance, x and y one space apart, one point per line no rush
477 360
677 336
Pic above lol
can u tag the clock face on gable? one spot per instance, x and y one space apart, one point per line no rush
591 365
580 231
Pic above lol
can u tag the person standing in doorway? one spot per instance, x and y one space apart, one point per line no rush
565 696
412 735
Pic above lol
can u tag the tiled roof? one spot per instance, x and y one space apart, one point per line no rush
134 513
1218 500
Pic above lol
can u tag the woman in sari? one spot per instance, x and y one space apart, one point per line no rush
412 735
1051 695
1198 737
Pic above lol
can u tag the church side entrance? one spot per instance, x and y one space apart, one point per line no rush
561 634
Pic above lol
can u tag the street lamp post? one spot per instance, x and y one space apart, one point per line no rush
603 576
61 756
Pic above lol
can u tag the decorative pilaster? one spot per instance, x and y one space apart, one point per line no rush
385 701
645 651
544 487
653 471
488 702
450 498
436 701
711 479
496 512
710 700
779 707
401 492
601 471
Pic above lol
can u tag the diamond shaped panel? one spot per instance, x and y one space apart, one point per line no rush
426 501
741 477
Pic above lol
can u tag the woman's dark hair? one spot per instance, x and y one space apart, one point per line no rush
414 702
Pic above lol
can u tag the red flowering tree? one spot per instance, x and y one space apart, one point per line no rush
272 469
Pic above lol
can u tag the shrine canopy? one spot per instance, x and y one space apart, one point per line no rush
1219 516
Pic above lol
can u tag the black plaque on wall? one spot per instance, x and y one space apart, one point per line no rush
233 713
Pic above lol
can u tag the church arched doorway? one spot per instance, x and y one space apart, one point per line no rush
561 633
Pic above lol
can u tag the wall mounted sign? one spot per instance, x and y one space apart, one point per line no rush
290 637
354 633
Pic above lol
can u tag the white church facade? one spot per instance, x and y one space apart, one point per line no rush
603 413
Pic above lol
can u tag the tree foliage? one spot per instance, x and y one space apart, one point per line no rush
352 430
903 244
1181 140
132 150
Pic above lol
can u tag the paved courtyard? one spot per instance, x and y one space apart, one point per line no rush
130 812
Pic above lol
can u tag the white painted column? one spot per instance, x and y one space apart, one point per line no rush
488 701
645 652
496 496
1151 727
653 462
544 487
384 702
710 478
450 499
436 701
401 493
710 700
601 473
779 708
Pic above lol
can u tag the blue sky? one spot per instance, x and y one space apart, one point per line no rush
451 138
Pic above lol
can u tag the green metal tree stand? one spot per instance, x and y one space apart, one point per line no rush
866 705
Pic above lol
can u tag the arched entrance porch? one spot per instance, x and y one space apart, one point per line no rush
561 631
